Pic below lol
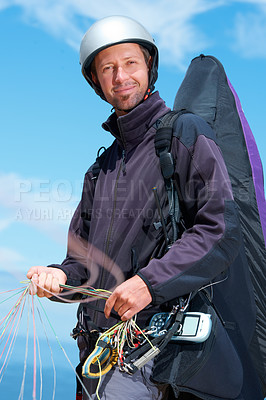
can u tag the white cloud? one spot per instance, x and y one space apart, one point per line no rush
249 30
9 262
44 205
253 2
8 255
4 223
250 33
4 4
170 22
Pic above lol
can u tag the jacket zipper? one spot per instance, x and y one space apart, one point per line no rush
122 168
124 161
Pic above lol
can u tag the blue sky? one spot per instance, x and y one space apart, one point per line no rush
51 119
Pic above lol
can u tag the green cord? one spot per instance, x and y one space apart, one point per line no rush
49 322
13 295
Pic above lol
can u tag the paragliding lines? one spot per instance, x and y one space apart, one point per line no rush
9 329
122 335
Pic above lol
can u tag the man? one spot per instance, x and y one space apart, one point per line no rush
118 224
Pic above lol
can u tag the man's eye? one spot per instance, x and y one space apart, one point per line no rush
107 68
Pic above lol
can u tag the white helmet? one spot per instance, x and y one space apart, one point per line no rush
108 32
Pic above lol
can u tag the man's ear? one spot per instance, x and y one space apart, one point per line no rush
149 63
94 78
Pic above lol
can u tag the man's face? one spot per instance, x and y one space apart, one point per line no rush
123 75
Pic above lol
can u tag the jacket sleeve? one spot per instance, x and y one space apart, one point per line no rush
75 263
211 242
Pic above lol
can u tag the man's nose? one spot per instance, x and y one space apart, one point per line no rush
120 74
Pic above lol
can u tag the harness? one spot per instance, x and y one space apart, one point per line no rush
162 144
104 356
137 351
137 358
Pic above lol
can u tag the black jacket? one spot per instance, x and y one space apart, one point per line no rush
118 217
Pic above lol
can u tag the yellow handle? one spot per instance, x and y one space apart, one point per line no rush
103 357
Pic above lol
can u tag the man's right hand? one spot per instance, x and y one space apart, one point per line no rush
47 278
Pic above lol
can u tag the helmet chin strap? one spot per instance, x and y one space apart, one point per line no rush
148 93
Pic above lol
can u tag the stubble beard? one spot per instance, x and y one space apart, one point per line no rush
128 102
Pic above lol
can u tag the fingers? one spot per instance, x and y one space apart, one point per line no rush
46 281
128 298
128 314
122 304
109 305
127 311
34 270
34 283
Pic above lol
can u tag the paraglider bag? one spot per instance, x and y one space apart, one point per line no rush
210 368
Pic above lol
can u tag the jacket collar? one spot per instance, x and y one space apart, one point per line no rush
130 129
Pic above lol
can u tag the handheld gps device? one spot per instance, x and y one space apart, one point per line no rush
196 326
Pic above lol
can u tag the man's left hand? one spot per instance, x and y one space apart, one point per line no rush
128 298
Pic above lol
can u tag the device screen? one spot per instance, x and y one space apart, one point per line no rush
190 325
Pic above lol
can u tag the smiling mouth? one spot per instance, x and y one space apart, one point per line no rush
124 89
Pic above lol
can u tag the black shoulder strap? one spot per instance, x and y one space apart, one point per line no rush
163 142
97 166
164 133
